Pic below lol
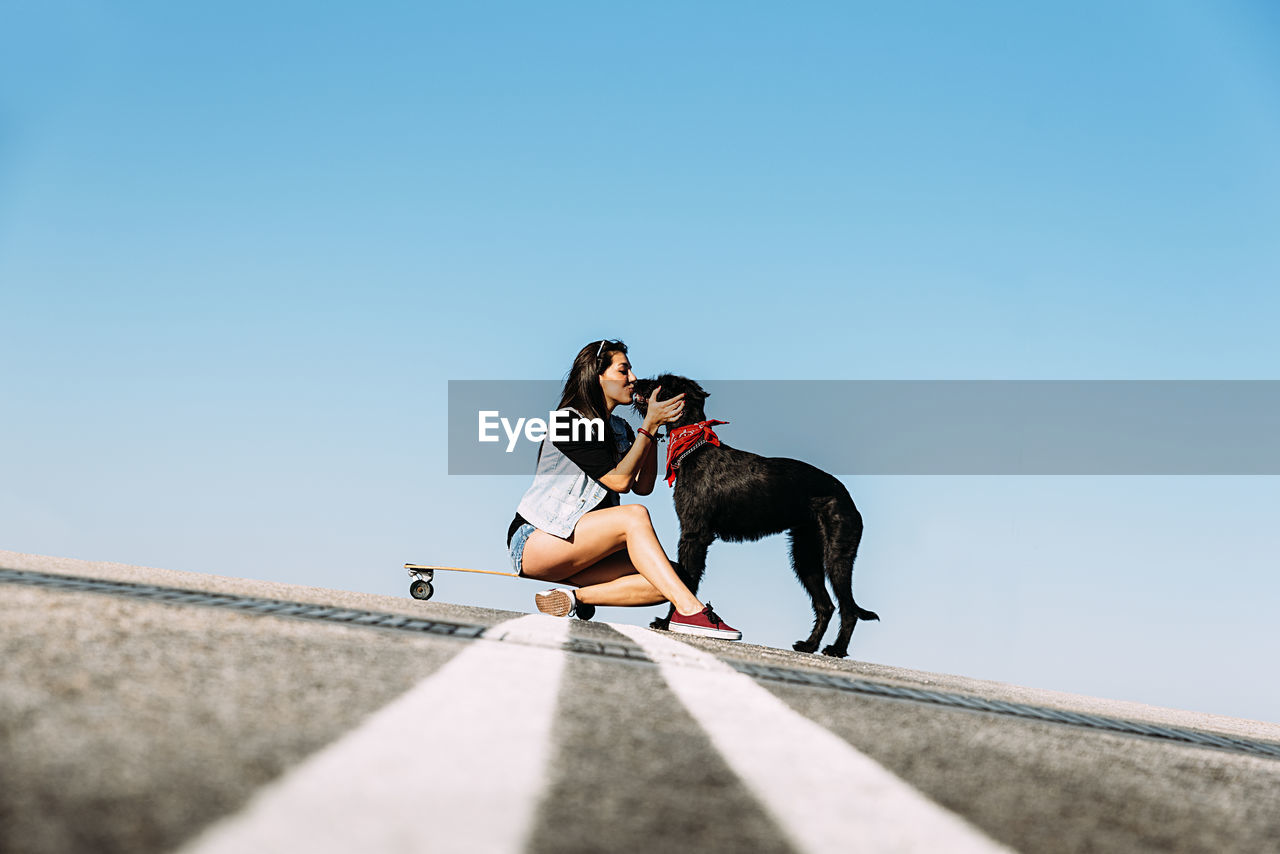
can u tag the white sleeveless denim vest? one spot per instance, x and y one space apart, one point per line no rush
562 493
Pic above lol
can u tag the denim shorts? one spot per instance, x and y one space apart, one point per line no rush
517 545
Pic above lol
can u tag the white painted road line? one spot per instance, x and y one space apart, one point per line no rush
458 763
822 793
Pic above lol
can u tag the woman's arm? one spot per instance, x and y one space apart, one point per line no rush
628 473
648 469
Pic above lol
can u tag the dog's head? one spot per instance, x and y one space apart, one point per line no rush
669 385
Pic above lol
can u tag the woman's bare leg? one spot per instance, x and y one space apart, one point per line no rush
614 581
629 591
600 534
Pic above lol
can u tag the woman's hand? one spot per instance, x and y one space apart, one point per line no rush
661 412
637 470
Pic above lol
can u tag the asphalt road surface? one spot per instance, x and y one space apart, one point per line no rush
220 723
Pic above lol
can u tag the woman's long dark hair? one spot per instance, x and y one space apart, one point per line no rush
582 385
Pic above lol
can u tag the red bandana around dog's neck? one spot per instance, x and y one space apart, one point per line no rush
683 441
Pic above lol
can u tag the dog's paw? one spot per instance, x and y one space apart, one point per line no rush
804 646
662 624
835 653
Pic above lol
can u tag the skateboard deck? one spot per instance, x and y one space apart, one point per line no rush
422 575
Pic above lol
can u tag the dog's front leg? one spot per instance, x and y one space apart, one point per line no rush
663 623
693 557
690 577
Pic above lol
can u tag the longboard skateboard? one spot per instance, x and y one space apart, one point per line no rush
420 587
422 575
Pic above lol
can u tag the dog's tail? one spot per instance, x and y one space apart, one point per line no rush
864 614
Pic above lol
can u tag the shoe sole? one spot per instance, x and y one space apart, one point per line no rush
557 603
681 629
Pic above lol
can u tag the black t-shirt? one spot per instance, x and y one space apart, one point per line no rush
596 457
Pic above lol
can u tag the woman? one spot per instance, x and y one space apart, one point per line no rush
570 527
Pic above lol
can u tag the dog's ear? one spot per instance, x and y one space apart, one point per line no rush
700 391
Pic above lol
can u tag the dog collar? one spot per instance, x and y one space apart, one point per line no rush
683 441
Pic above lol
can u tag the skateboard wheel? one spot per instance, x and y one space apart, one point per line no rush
421 590
585 612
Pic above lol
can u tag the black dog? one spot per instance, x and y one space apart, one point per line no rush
739 496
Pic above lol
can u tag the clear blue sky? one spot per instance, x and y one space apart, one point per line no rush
244 247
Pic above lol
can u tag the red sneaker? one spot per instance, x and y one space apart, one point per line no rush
706 623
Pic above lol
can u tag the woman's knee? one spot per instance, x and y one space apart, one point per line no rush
637 517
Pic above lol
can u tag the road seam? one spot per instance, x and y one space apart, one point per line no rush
257 606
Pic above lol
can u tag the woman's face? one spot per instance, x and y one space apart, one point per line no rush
617 381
